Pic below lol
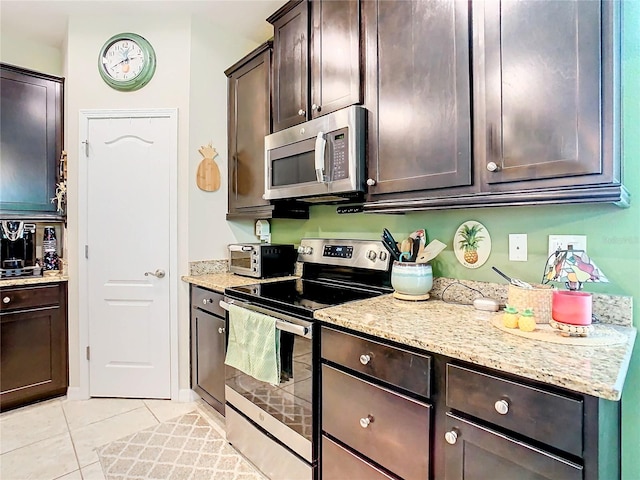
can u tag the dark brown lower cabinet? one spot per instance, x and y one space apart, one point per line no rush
33 344
475 452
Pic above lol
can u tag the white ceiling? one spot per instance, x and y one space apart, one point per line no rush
46 20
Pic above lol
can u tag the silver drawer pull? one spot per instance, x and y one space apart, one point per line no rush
364 422
6 300
220 329
451 437
502 407
364 359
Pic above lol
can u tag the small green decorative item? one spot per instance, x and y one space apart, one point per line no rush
127 62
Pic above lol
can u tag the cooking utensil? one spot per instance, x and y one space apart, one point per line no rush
512 281
390 244
406 247
208 174
431 251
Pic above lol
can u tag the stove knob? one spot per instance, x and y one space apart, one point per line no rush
308 250
371 255
383 256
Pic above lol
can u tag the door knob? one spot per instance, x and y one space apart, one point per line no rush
158 273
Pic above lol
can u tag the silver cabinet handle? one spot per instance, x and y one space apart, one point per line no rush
315 107
502 407
158 273
365 421
6 300
371 182
451 437
364 359
301 112
220 329
492 166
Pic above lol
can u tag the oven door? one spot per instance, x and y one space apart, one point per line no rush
285 410
244 260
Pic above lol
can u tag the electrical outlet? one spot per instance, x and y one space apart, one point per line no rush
518 247
562 242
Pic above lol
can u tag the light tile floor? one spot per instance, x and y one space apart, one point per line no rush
57 439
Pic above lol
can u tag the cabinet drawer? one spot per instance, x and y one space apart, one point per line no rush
207 300
550 418
407 370
390 429
15 298
339 463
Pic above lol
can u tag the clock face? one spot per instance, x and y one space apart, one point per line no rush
123 60
127 62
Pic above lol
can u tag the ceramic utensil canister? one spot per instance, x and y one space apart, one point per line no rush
49 249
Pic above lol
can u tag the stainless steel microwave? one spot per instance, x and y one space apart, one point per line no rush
321 160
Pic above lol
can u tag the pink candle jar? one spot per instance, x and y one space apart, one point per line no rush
571 307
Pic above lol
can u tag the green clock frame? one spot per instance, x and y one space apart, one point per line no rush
139 80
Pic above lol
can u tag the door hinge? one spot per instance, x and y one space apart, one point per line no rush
88 352
86 148
86 251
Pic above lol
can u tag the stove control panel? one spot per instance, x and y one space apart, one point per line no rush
369 254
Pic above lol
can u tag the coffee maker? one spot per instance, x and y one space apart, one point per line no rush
18 249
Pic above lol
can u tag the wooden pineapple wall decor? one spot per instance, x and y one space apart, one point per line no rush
208 174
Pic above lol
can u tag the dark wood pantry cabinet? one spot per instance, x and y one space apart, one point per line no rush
33 350
316 59
31 142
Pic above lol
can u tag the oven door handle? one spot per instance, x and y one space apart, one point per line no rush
299 330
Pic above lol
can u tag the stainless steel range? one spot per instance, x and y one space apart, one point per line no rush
276 426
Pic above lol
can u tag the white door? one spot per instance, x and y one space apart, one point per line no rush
128 192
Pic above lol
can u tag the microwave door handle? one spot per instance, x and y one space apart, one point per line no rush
240 248
321 146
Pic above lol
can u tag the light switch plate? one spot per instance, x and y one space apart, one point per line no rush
518 247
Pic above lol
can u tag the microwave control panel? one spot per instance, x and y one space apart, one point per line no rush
339 154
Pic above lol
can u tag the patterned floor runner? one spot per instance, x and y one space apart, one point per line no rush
185 448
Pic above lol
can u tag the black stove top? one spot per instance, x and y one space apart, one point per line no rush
300 297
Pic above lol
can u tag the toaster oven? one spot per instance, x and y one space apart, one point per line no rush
262 260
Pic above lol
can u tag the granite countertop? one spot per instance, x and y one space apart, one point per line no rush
464 333
220 281
36 280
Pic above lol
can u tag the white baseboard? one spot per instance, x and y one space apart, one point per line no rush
187 395
77 393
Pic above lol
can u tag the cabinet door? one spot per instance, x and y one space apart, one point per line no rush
290 69
474 452
33 351
541 68
335 56
30 140
208 370
249 122
418 95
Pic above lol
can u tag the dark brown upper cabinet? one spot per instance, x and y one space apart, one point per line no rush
546 110
31 139
418 95
540 80
248 122
316 58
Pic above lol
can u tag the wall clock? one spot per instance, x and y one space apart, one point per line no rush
127 62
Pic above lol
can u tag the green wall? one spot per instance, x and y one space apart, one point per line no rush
613 234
